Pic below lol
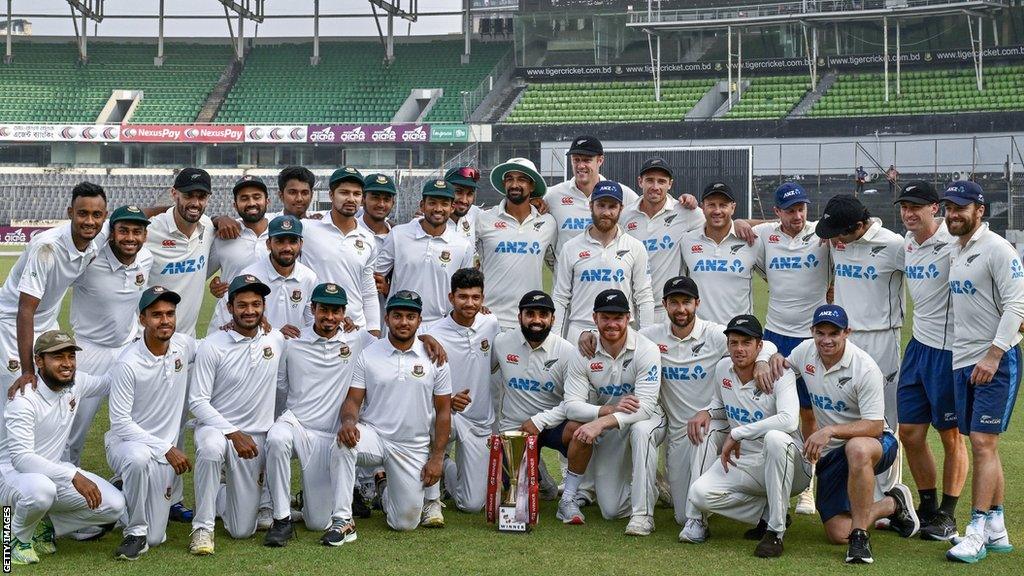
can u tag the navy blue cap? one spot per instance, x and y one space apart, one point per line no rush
607 189
964 192
831 314
789 194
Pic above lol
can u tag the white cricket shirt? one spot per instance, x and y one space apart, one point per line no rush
347 260
661 237
231 257
288 302
927 274
469 353
869 278
571 209
180 262
752 413
798 270
105 305
723 273
532 379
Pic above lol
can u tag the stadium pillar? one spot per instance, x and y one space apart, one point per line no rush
739 64
467 30
897 57
8 57
315 59
728 66
159 60
240 47
885 54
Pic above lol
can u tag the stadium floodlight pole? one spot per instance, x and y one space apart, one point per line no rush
8 57
91 9
885 54
739 64
159 60
728 51
315 59
898 57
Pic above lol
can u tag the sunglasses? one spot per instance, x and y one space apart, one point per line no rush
469 172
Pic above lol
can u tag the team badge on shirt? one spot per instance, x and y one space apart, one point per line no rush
359 244
71 404
178 365
445 256
13 365
296 296
842 381
344 351
418 371
167 494
465 225
140 279
596 366
485 345
512 359
550 363
268 352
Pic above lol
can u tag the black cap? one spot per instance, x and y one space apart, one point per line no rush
656 164
681 285
841 214
918 192
586 146
717 188
536 299
745 324
249 181
191 179
611 300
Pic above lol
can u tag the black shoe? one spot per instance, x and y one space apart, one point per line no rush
179 513
340 532
131 548
904 520
758 532
298 501
859 550
380 481
279 533
770 546
941 526
359 507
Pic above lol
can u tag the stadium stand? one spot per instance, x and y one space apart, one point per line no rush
46 83
351 83
578 102
769 97
924 92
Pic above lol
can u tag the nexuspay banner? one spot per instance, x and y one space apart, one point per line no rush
368 133
60 132
182 133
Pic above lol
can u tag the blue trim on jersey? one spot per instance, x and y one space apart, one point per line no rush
1013 367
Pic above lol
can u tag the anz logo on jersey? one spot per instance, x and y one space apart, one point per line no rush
683 373
602 275
655 244
616 389
528 385
826 403
743 415
516 247
793 262
856 271
718 265
1016 271
576 223
921 272
964 287
185 266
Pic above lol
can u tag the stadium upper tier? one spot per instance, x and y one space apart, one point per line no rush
578 102
351 83
45 83
769 97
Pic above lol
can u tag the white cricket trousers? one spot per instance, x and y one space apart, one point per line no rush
625 466
687 461
35 495
466 476
96 360
148 484
884 348
315 451
242 477
403 497
756 481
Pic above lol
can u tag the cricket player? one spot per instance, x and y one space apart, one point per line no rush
230 257
232 398
603 257
104 309
514 240
397 414
718 259
34 289
148 385
422 255
379 195
48 497
925 393
615 398
294 190
569 202
465 181
986 281
180 239
338 250
316 369
660 221
797 267
467 336
852 443
762 463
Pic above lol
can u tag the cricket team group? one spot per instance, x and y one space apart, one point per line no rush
383 357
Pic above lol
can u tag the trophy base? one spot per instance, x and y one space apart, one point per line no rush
507 520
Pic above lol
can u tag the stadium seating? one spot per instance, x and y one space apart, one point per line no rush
47 84
351 83
924 92
769 97
582 102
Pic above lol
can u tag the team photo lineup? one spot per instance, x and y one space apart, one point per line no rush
404 364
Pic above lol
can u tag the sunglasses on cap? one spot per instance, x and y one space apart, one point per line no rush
469 172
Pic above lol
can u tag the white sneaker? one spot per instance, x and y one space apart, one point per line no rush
695 531
805 502
569 512
640 525
432 516
264 519
664 493
201 543
970 549
549 490
882 524
996 537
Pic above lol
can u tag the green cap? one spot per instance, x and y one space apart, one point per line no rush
129 213
248 282
464 176
345 173
380 183
285 225
155 293
54 341
329 293
438 189
405 299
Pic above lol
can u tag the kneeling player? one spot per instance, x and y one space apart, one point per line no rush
396 394
615 396
852 443
753 483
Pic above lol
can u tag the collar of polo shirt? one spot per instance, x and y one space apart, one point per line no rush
844 362
630 344
47 393
872 230
545 345
699 327
69 244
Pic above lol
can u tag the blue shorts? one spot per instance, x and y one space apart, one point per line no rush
925 393
552 438
833 472
786 344
987 408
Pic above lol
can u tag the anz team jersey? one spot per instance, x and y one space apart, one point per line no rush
180 263
798 269
869 278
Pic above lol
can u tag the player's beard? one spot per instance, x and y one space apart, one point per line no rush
535 335
252 217
516 195
54 382
284 260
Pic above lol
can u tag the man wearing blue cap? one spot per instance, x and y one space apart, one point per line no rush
852 442
798 269
986 281
603 257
